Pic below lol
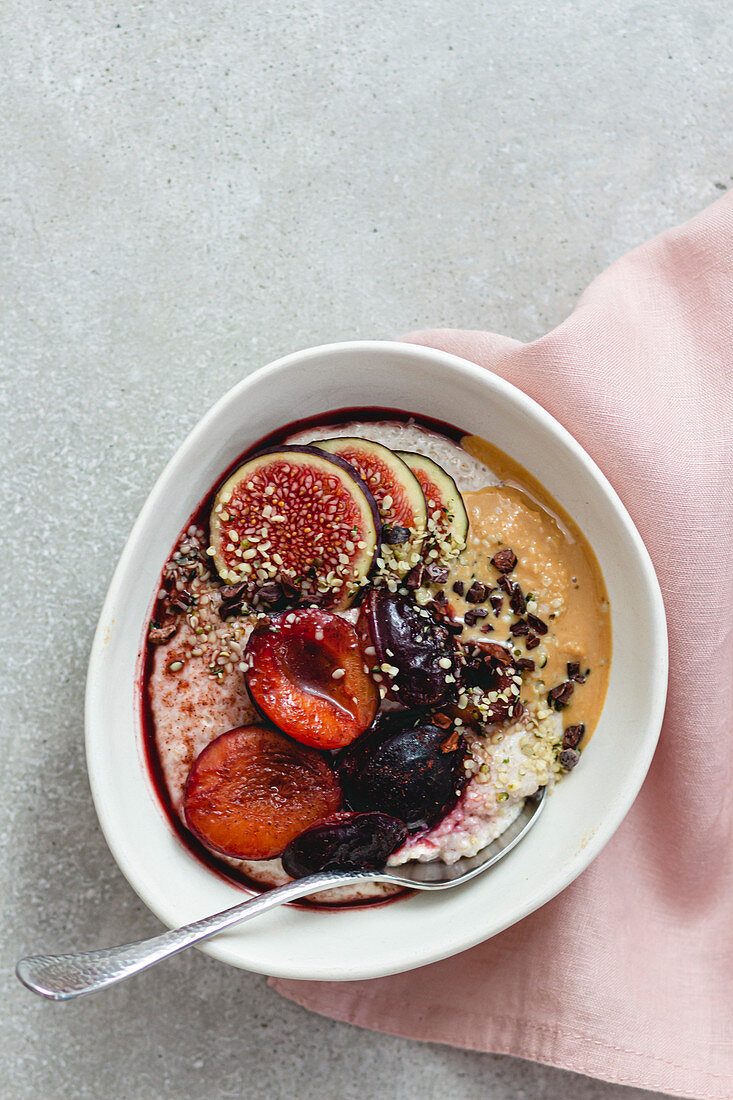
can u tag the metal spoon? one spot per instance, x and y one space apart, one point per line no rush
62 977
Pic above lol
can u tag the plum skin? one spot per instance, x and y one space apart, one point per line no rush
411 640
401 768
344 841
439 486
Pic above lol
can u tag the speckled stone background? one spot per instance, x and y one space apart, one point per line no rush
189 191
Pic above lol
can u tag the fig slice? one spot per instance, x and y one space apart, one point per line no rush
395 488
296 515
343 842
447 515
306 674
415 654
252 790
408 766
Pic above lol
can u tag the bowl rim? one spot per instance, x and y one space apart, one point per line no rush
164 907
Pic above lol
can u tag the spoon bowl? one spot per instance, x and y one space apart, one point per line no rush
63 977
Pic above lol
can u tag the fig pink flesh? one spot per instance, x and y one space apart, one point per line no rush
298 515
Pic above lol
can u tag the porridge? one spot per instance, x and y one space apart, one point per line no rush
372 644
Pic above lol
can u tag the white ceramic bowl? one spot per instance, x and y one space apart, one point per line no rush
582 813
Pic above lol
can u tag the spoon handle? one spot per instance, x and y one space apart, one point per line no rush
62 977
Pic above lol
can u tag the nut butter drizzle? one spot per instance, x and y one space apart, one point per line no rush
551 606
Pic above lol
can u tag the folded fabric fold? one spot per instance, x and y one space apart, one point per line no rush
628 974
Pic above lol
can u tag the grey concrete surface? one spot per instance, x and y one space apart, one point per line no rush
188 191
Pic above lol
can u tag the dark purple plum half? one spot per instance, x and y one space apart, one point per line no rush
344 841
296 516
408 638
402 768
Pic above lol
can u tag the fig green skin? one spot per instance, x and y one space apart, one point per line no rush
450 495
399 768
345 842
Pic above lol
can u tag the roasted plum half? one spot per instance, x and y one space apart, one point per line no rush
344 841
305 672
252 790
395 488
408 767
296 516
414 653
447 515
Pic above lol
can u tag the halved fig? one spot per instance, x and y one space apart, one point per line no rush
344 841
299 517
447 515
395 488
408 767
252 790
414 653
306 674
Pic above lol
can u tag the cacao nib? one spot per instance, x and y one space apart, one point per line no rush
537 625
180 600
497 602
517 601
532 641
161 633
234 599
290 591
451 743
572 736
519 627
453 626
233 591
438 574
568 758
497 652
414 578
459 588
395 536
477 593
487 628
269 595
473 614
559 696
574 672
504 560
525 664
439 604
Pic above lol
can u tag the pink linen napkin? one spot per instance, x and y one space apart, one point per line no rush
628 974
